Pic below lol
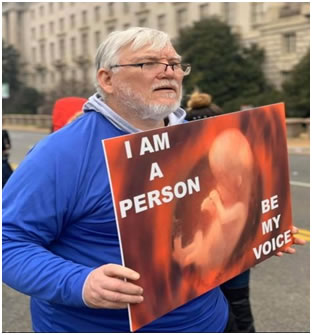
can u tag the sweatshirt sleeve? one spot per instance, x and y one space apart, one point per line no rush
37 204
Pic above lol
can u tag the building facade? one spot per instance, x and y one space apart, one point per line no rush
57 40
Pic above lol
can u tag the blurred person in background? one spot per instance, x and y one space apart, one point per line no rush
236 290
6 166
66 109
200 106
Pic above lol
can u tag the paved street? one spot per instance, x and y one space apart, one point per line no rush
22 142
280 288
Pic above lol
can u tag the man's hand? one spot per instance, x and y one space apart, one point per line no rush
297 240
105 287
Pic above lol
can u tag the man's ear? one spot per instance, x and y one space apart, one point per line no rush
104 78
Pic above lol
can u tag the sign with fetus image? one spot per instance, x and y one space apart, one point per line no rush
198 203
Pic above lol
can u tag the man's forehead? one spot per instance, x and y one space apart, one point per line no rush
147 52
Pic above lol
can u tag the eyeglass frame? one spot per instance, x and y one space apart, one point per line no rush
142 64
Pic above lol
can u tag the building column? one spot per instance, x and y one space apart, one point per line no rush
12 27
5 27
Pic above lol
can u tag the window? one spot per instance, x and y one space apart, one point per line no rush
34 54
33 14
229 12
51 28
84 41
61 23
97 13
72 21
62 48
52 77
226 11
73 47
142 22
290 9
41 11
97 38
74 75
256 12
126 26
61 5
33 33
34 79
142 5
51 7
84 17
110 29
204 11
161 22
289 43
126 7
110 8
43 78
52 52
181 18
41 31
42 53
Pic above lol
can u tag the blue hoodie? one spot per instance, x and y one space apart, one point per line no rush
59 225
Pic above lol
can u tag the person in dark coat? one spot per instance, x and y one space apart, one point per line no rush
200 106
6 167
236 290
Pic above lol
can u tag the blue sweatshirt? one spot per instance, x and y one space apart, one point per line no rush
59 225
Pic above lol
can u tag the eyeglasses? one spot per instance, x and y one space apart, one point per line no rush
156 67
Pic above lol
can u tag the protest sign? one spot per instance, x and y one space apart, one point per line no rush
198 203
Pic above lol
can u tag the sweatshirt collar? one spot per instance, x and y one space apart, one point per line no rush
96 103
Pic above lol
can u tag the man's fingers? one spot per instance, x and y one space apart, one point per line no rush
299 241
115 270
117 297
118 285
296 240
290 250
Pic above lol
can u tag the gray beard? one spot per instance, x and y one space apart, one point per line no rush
136 103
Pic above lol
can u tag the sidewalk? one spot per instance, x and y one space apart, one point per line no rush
26 128
299 145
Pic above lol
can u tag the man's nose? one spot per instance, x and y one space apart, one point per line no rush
167 72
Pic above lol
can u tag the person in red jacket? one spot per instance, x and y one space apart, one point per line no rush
65 110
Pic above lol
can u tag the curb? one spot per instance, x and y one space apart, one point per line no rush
27 128
298 150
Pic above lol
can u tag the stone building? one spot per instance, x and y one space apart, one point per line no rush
57 40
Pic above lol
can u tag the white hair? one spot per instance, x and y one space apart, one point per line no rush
108 52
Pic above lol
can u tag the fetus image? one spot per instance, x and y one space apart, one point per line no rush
224 210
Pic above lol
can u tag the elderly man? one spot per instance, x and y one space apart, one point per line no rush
60 242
